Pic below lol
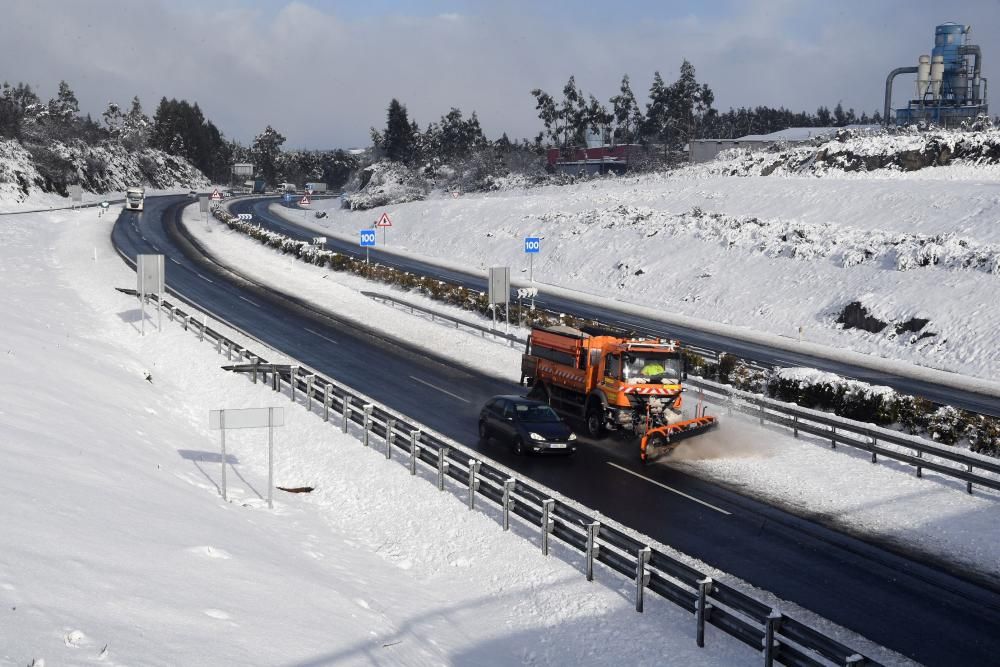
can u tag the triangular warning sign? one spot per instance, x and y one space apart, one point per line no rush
305 201
384 221
216 196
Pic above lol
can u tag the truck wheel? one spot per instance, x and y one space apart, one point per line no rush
595 420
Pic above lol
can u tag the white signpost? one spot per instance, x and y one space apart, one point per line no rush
499 292
525 293
75 194
220 420
150 280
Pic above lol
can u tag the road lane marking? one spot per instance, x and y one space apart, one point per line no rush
249 301
202 277
443 391
671 489
315 333
175 261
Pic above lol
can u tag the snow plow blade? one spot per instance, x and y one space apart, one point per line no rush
661 440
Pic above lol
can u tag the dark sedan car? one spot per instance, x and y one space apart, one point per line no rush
529 426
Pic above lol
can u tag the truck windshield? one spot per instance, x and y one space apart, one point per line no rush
133 196
536 413
654 367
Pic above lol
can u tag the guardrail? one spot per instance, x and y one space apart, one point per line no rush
484 330
855 434
778 636
836 429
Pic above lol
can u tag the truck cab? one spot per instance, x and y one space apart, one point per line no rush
135 198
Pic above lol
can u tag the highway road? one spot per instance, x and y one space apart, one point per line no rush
975 402
917 609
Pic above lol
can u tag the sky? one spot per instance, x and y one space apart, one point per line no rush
322 72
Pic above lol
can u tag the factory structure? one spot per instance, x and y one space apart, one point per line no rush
950 89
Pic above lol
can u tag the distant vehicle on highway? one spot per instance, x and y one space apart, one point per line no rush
135 198
320 214
528 426
193 194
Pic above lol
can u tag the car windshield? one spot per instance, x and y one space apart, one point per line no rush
535 413
658 367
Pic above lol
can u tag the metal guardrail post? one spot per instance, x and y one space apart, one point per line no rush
293 372
508 502
187 320
309 392
593 548
795 425
761 413
547 523
442 466
703 610
276 380
920 470
772 623
218 345
229 350
201 331
833 438
346 413
390 436
170 311
414 451
327 397
367 425
641 576
874 452
473 482
968 485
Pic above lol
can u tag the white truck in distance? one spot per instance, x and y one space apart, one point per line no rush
134 198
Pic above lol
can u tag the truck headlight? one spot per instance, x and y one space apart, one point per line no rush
535 436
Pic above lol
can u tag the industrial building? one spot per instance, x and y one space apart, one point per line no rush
950 89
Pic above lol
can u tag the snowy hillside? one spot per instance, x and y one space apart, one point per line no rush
773 253
102 168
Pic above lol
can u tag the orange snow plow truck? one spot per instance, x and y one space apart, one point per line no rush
613 384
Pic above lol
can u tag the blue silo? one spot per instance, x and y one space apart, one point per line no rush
948 40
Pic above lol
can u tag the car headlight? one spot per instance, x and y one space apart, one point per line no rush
535 436
572 436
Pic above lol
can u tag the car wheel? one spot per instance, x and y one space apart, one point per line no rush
519 448
484 431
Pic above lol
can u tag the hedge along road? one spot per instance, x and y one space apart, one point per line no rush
974 394
895 601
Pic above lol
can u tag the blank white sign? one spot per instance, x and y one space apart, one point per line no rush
247 418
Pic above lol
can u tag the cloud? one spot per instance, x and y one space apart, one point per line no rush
323 78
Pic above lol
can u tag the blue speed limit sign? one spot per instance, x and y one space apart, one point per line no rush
367 238
532 244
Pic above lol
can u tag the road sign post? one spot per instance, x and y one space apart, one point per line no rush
532 246
149 280
250 418
499 292
367 241
384 222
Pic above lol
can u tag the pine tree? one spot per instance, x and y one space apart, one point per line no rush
626 113
266 151
398 141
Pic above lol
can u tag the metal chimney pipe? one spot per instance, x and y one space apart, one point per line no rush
888 88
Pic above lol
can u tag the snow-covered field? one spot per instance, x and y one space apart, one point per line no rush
118 550
771 253
931 516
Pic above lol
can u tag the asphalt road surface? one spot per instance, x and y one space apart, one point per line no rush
916 609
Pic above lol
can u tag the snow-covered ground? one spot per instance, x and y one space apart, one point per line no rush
118 550
771 253
932 516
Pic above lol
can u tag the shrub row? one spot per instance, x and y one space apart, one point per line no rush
847 398
864 402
